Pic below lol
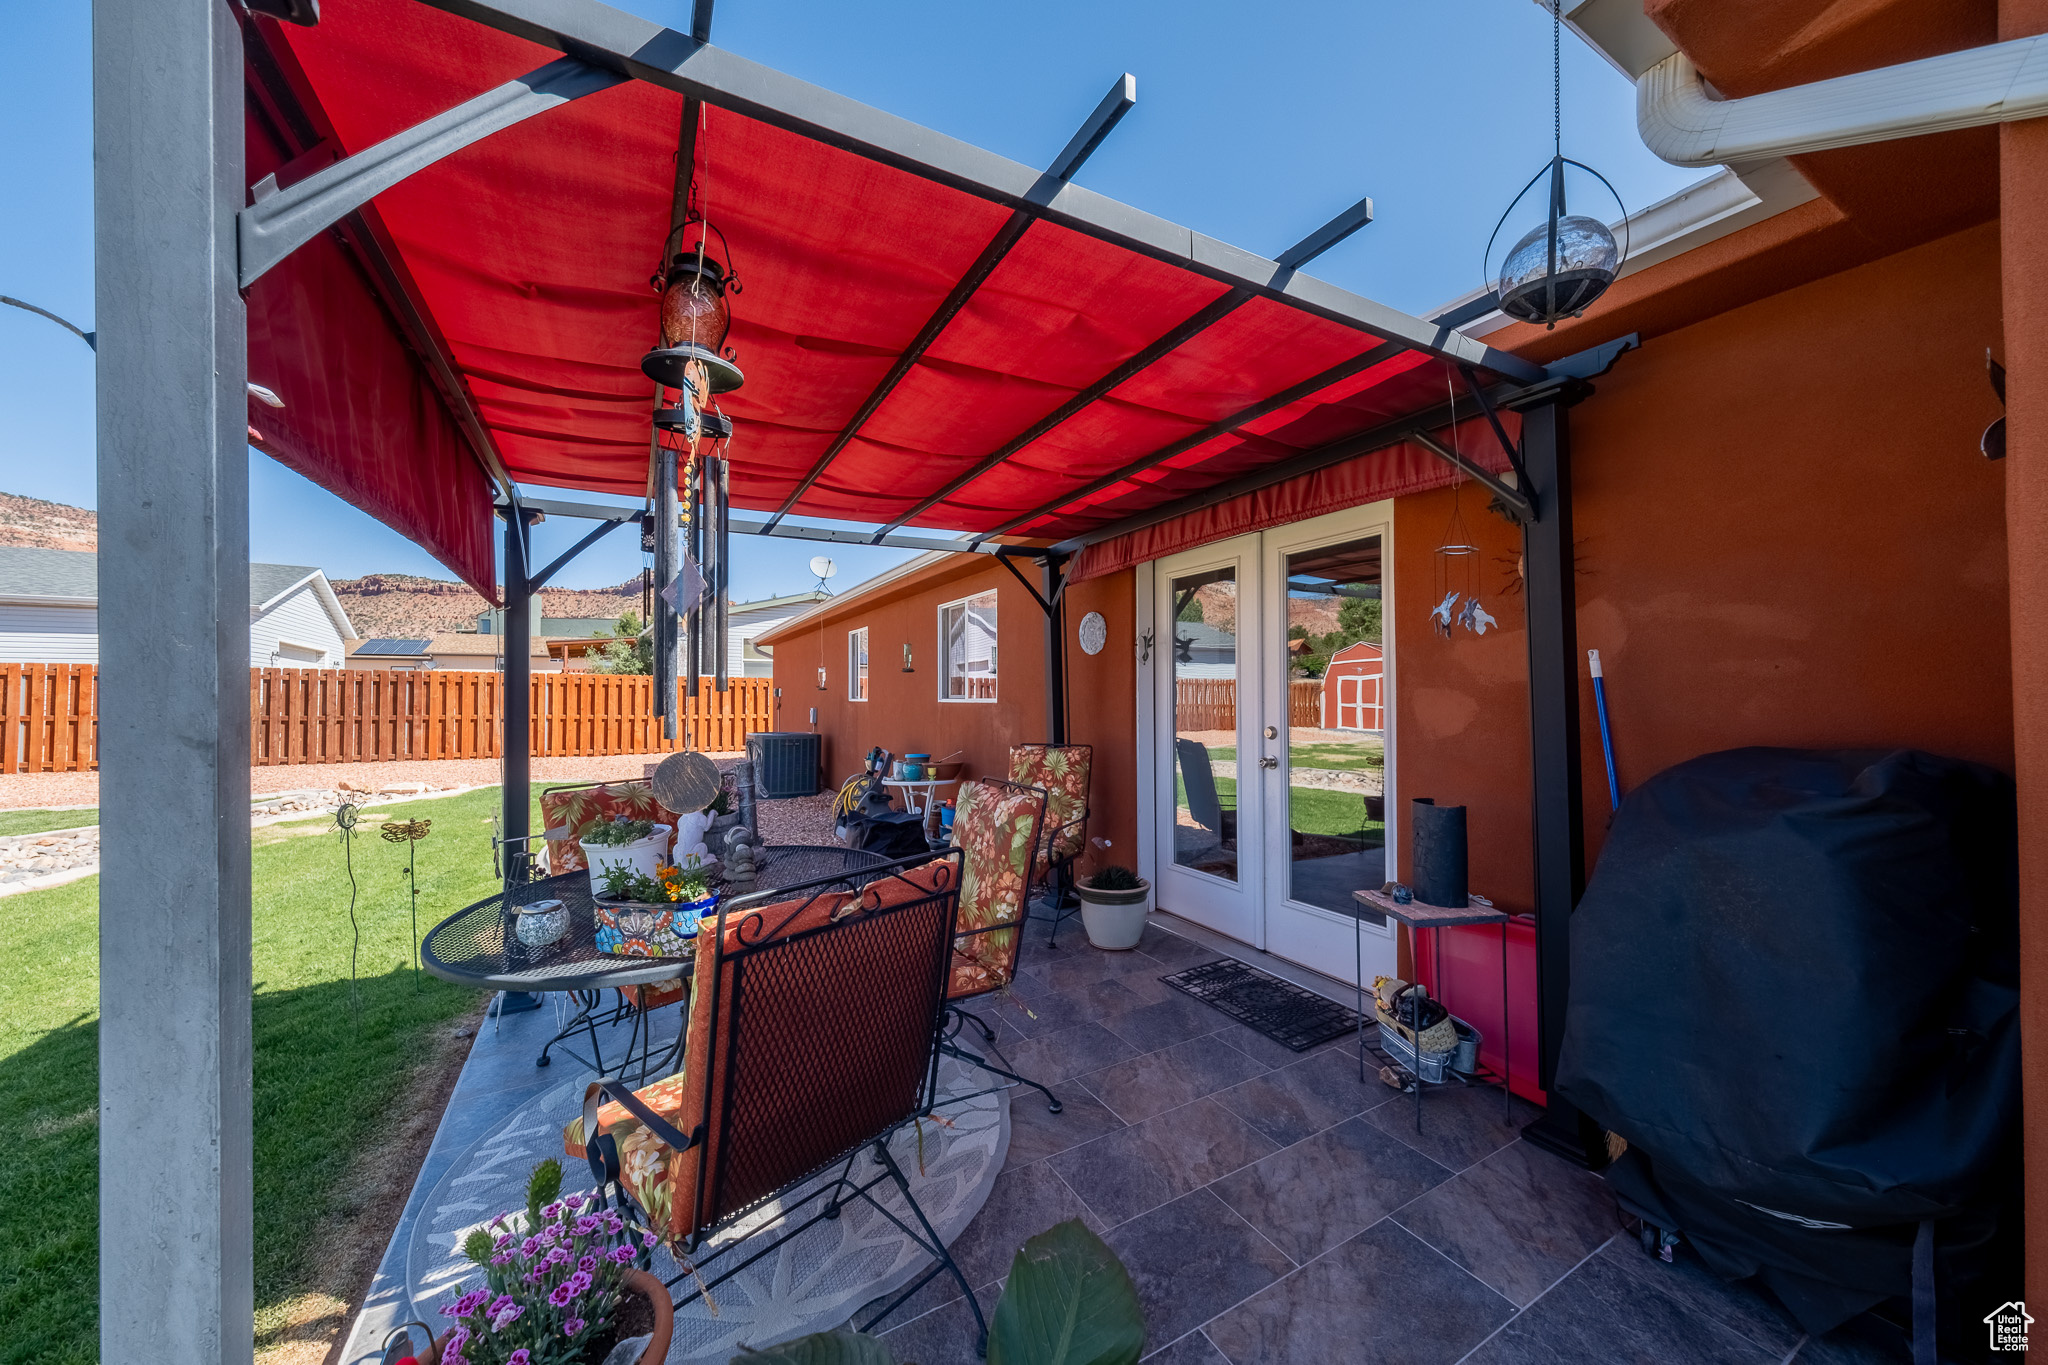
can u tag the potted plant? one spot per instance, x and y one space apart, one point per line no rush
561 1286
657 916
637 845
1114 903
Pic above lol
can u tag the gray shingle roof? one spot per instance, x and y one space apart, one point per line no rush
26 571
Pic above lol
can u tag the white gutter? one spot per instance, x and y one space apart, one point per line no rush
1683 122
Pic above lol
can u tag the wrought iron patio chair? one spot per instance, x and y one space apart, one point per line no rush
996 827
567 812
815 1031
1063 771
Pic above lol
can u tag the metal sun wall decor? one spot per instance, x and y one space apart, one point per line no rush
409 833
1560 266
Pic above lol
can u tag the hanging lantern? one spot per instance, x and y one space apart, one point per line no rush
1560 266
695 316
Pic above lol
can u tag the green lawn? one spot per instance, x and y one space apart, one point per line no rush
36 821
1364 756
1311 810
323 1081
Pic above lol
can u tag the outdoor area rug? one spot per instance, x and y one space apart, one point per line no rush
813 1283
1288 1014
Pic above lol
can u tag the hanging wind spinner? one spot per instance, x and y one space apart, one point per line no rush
1457 564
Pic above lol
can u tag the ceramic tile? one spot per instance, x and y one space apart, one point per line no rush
1864 1340
944 1336
1625 1308
1135 1169
1382 1297
1064 969
1153 1082
1174 1020
1192 1349
1316 1194
1036 1134
1176 952
1190 1258
1304 1097
1051 1058
1460 1124
1259 1047
1022 1204
1519 1220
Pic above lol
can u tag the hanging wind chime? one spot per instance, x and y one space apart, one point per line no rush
694 363
1457 563
409 833
1559 267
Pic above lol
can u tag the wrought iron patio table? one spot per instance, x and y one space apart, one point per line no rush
476 946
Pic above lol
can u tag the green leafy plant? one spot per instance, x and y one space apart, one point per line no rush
617 832
1115 877
1068 1301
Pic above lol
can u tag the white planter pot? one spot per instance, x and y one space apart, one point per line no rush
1115 920
644 856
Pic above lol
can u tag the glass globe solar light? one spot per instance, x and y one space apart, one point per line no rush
1559 267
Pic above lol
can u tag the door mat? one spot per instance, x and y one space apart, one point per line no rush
1288 1014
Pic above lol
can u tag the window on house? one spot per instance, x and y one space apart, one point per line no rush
857 664
967 639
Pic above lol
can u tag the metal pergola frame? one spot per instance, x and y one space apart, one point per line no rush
176 240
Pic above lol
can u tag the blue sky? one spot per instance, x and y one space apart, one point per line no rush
1253 124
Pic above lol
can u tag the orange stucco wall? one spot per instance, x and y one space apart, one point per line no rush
903 711
1784 535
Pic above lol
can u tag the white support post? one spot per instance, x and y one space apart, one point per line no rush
175 1167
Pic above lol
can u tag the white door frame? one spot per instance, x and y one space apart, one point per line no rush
1316 937
1231 908
1155 671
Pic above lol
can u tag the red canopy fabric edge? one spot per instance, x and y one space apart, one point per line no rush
1393 472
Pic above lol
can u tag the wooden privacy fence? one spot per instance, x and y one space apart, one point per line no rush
49 716
1211 703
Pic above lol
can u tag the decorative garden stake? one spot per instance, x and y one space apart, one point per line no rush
409 833
1559 267
345 823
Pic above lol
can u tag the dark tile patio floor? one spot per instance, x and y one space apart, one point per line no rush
1272 1207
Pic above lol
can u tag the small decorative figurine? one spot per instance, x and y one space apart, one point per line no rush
1441 616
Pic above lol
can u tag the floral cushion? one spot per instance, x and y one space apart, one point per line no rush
996 829
1063 771
643 1157
654 996
578 808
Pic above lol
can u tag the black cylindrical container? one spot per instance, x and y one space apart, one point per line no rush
1438 877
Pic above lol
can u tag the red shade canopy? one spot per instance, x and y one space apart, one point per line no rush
527 258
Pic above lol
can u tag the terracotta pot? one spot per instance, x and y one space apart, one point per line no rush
639 1282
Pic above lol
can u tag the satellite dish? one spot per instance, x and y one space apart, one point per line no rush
823 567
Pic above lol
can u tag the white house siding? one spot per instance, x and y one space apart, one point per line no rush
740 628
49 635
298 620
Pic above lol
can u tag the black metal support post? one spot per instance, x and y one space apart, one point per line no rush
1557 811
1055 652
515 798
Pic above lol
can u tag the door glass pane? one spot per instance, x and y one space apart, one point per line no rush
1336 724
1204 645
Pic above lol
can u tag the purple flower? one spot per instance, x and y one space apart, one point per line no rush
621 1255
504 1240
522 1356
574 1201
550 1235
457 1339
552 1210
587 1264
614 1224
505 1316
571 1327
529 1246
562 1295
577 1283
536 1275
649 1240
502 1258
587 1225
453 1357
467 1304
498 1305
558 1256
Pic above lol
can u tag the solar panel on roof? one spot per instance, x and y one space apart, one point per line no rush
393 647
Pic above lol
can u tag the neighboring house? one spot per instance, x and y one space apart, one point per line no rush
389 653
1204 651
746 622
483 653
49 611
1351 689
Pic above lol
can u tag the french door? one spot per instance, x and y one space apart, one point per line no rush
1270 678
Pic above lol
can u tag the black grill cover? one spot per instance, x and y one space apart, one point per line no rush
1794 991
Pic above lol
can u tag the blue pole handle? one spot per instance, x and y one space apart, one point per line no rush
1606 729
